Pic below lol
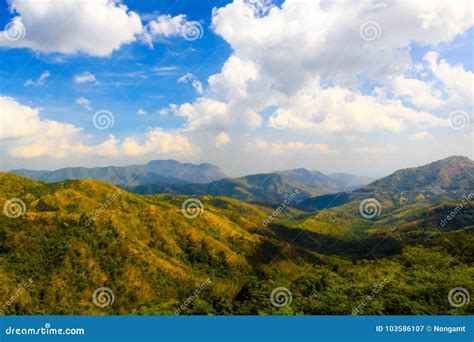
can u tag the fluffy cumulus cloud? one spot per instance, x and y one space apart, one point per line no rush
456 80
304 60
95 27
165 26
221 139
26 135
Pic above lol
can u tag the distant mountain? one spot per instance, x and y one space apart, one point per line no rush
329 183
348 182
261 188
325 201
156 171
435 182
452 173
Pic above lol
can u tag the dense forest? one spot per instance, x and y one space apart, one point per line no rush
221 258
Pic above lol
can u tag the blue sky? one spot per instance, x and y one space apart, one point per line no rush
263 86
126 80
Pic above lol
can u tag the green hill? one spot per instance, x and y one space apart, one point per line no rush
260 188
453 173
78 236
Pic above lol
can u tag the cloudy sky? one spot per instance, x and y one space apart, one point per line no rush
252 86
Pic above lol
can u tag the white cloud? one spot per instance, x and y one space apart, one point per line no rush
84 102
318 30
30 136
285 57
420 93
84 77
338 109
141 112
40 81
457 81
165 70
26 135
189 77
221 139
157 141
377 149
94 27
279 147
420 136
165 26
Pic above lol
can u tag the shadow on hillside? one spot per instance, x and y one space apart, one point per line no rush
283 241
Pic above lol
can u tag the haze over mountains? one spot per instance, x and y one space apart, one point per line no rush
156 171
170 176
316 190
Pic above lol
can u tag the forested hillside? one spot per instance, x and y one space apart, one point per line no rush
77 236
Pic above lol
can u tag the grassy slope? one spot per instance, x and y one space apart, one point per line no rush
152 256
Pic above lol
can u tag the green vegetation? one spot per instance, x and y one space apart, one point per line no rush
261 188
77 236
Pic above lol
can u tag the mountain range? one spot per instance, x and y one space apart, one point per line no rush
440 179
173 177
156 171
73 237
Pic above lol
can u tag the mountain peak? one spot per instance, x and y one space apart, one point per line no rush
452 173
